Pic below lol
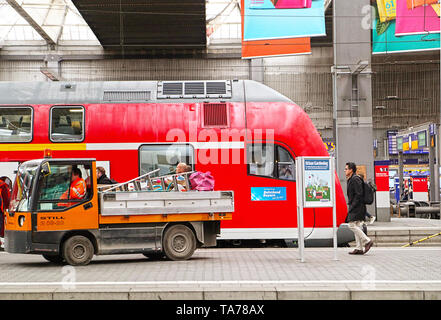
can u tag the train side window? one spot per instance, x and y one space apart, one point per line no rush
261 160
269 160
285 165
16 124
67 124
164 157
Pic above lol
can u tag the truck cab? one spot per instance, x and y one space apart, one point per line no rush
58 211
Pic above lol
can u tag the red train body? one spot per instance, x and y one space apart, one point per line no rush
241 131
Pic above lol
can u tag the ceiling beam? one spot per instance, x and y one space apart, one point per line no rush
34 24
216 22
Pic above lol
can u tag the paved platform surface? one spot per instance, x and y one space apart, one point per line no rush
237 274
401 231
406 224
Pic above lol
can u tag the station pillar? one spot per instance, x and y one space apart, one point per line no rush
352 90
256 70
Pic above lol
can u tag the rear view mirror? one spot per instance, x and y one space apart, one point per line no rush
45 169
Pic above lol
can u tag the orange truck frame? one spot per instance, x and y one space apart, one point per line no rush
156 224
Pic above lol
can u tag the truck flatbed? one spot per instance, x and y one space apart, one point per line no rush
157 202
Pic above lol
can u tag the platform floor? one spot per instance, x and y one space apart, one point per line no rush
238 274
407 223
392 273
401 231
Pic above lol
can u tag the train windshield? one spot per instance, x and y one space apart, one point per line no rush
22 190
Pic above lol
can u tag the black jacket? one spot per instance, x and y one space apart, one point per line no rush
104 180
357 208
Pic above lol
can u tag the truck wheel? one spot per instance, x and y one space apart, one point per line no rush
78 251
54 258
179 243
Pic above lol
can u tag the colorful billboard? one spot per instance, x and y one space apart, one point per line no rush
280 4
266 19
273 47
419 20
405 26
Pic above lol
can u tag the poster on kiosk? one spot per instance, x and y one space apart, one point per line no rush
317 183
315 189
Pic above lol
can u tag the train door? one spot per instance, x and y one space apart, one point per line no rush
267 201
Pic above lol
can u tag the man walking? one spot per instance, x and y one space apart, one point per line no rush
357 209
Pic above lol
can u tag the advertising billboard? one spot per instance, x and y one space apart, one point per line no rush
272 47
416 20
405 26
275 47
266 19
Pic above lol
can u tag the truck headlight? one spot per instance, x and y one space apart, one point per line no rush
21 220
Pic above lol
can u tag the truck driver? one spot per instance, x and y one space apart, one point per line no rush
77 189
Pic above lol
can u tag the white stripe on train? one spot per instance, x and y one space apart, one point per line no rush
136 145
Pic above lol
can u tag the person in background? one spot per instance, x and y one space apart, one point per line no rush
357 209
2 225
5 197
285 173
405 195
5 190
182 167
102 177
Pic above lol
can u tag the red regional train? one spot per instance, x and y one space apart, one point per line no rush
245 133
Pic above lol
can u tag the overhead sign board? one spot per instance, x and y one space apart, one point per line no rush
415 140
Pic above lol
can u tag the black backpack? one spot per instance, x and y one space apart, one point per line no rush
368 192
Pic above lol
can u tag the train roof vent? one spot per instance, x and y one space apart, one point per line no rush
172 88
121 96
215 115
194 90
216 87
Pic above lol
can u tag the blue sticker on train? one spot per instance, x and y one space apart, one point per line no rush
268 193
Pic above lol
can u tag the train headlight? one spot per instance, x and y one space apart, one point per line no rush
21 220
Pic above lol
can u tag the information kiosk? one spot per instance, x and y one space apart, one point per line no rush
315 189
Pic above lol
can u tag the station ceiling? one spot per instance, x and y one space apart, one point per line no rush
176 25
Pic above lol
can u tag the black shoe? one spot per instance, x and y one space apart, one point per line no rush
368 246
